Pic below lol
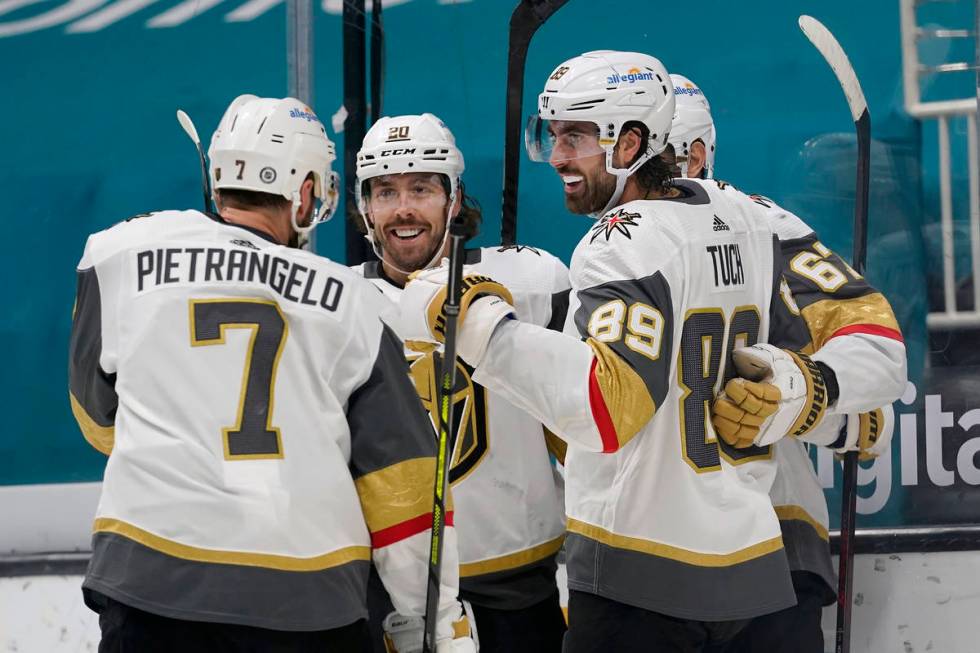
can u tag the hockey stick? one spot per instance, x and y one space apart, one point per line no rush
831 50
189 129
377 70
355 103
447 381
525 20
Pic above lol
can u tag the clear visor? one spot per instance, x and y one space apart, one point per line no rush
412 189
561 140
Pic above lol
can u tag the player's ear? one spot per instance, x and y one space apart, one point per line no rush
696 159
628 146
306 195
306 190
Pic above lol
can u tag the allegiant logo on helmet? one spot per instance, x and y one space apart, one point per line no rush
687 89
305 113
632 75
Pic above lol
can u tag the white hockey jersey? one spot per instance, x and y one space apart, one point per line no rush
264 439
509 516
661 514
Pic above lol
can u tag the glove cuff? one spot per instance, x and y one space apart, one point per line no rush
475 332
816 399
473 287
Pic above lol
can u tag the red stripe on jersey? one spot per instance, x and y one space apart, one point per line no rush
405 530
870 329
607 431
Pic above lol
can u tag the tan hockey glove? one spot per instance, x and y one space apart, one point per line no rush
869 433
777 393
483 305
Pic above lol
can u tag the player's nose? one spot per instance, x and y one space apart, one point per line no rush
404 208
557 161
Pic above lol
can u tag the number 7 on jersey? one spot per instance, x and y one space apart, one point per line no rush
253 435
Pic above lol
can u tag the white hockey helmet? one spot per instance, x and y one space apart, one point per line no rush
608 88
270 146
692 121
410 143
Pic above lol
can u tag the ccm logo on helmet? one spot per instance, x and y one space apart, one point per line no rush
398 152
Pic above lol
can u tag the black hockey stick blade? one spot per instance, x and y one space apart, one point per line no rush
831 50
525 20
447 440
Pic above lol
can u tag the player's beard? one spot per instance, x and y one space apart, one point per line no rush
599 187
412 260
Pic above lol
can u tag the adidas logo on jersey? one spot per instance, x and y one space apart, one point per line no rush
719 225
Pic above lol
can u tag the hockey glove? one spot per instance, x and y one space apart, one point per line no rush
868 433
404 634
778 392
483 304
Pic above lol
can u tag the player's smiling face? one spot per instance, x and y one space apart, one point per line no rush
581 163
409 216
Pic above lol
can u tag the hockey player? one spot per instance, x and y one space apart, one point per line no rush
264 441
509 515
692 134
673 543
860 322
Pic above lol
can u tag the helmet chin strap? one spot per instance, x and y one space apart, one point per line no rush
323 214
293 211
621 174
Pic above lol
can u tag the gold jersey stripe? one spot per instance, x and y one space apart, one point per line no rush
397 493
796 513
556 446
461 628
673 552
627 399
825 317
198 554
101 437
512 560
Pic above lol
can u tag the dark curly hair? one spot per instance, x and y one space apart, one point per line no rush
469 211
656 174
